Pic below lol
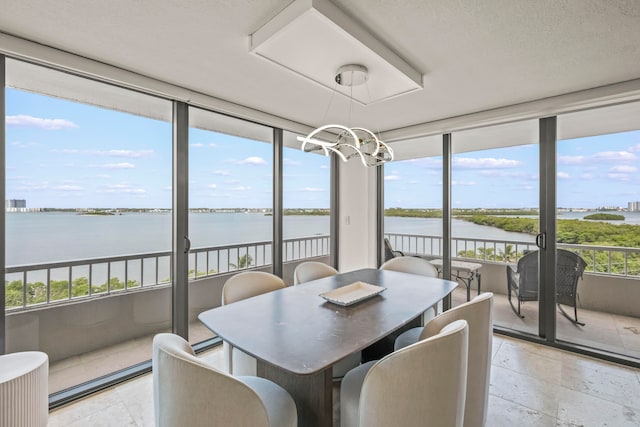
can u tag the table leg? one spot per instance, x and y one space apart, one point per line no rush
313 394
479 279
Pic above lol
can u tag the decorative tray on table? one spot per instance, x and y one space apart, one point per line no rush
353 293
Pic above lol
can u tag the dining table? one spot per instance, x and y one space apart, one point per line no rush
297 335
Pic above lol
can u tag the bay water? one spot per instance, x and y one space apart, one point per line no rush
40 237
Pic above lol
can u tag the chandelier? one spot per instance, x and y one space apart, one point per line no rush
350 141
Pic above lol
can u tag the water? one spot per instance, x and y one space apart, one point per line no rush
59 236
42 237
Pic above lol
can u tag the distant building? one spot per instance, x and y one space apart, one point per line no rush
634 206
15 203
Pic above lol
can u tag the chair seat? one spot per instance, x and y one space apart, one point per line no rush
343 366
407 338
350 390
281 409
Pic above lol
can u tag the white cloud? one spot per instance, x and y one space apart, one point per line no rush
563 175
212 186
132 154
23 120
603 156
500 173
635 148
290 162
484 163
587 176
324 167
618 176
571 160
391 178
197 145
463 183
21 144
241 188
614 156
312 189
114 166
253 160
624 169
213 145
232 181
221 172
413 182
67 188
123 188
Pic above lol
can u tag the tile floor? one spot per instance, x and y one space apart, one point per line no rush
619 334
531 385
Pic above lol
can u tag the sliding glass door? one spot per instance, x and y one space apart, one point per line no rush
598 221
88 222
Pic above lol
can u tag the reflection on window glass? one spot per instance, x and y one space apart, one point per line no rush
230 202
306 203
494 197
598 219
88 222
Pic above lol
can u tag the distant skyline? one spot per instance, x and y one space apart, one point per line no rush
63 154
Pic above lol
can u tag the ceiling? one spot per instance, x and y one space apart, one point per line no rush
473 55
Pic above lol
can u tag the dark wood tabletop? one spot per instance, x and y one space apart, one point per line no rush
297 336
297 330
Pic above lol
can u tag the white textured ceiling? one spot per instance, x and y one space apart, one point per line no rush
475 55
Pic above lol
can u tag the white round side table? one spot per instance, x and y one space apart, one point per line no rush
24 382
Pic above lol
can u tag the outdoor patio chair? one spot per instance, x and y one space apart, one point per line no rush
523 282
389 252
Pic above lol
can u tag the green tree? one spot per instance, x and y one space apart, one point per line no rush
244 261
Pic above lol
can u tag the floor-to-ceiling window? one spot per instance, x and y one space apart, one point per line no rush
88 222
494 198
306 204
230 204
598 218
413 198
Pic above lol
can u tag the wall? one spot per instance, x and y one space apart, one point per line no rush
357 216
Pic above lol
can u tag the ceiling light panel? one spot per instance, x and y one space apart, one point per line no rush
313 38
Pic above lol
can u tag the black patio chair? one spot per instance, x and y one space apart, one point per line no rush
389 252
523 282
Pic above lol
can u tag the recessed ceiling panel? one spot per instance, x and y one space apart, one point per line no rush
314 38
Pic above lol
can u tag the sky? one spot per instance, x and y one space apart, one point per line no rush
64 154
592 172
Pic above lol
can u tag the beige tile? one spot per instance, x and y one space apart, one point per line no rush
524 390
95 404
113 416
603 380
535 363
503 413
137 396
580 409
497 343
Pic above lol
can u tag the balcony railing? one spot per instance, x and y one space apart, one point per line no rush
610 260
32 285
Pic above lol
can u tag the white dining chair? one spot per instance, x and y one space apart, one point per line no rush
415 265
238 287
420 385
312 270
187 391
479 314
